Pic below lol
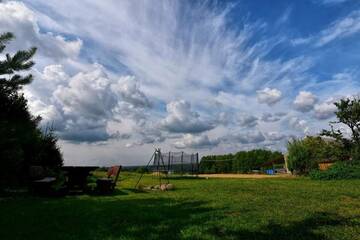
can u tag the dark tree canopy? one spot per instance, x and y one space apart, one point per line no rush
22 143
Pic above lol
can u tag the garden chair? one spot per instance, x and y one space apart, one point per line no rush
108 184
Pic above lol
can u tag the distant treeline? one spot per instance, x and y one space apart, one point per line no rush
241 162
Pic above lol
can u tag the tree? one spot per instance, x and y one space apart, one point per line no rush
243 161
305 154
13 64
22 144
348 114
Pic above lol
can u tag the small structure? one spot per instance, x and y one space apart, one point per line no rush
325 165
274 166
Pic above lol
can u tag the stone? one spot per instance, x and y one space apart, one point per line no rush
163 187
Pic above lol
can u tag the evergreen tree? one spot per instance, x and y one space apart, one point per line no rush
22 144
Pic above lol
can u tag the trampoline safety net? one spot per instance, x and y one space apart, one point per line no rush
177 162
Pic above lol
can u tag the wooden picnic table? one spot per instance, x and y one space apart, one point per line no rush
77 176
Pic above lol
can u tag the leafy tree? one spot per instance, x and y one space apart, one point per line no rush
305 154
302 156
348 114
22 144
243 161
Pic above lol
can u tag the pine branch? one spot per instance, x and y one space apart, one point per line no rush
16 81
21 60
5 38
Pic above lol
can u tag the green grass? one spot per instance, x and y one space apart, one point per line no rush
198 209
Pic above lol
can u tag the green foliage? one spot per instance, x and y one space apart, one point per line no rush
300 157
216 163
60 181
254 159
305 154
22 143
348 114
339 170
90 184
11 65
355 154
243 161
142 170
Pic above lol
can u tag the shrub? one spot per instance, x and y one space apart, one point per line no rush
305 154
355 153
339 170
301 157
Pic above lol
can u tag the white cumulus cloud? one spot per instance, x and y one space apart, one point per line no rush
182 119
305 101
196 142
325 109
270 96
17 18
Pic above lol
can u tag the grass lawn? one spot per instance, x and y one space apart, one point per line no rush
198 209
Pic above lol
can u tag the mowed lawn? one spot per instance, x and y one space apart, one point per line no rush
198 209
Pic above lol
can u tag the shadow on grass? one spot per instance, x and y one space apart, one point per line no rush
156 218
116 192
307 229
100 218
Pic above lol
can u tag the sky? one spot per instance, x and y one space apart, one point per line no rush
115 79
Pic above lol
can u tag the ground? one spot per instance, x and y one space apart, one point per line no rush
247 176
278 208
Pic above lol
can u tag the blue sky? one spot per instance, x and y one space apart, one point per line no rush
118 78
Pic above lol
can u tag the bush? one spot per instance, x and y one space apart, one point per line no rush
339 170
300 158
305 154
355 153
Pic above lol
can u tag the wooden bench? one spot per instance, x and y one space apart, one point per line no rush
107 185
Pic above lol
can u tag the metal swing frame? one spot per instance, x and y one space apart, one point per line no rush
157 159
